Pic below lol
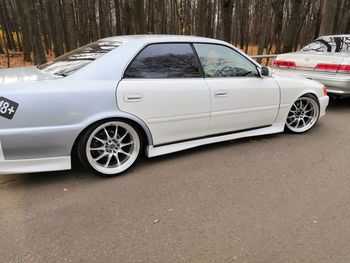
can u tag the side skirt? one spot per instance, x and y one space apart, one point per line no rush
152 151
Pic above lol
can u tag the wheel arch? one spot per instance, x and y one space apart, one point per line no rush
314 97
310 93
141 127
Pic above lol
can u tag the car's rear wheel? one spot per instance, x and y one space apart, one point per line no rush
110 147
303 115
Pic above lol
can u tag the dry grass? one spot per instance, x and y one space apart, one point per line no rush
16 60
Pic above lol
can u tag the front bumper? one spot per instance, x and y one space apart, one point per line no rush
335 83
324 101
33 165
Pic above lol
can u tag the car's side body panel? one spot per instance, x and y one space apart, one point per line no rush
51 115
294 88
242 103
152 151
53 112
173 109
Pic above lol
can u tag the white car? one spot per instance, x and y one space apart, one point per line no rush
327 60
113 99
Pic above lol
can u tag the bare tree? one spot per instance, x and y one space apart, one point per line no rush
226 18
328 15
292 26
58 26
201 17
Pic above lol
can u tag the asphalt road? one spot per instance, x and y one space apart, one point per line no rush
281 198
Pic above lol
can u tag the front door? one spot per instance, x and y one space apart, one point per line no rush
240 98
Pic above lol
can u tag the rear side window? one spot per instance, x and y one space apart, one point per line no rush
164 61
329 44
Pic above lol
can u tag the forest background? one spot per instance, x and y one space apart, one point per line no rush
34 31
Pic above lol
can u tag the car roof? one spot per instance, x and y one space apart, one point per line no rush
161 38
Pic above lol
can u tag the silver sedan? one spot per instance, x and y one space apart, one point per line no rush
113 99
327 60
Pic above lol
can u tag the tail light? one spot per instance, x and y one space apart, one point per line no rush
335 68
284 64
327 67
344 69
324 91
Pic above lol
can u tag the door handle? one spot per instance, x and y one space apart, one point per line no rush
132 97
220 93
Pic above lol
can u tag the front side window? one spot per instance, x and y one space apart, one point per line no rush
220 61
79 58
329 44
164 61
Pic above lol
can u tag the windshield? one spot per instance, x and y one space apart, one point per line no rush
329 44
77 59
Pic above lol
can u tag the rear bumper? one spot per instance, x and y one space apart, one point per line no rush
335 84
33 165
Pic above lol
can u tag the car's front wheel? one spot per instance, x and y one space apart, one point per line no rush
109 147
303 115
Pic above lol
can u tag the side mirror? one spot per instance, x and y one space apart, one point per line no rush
266 72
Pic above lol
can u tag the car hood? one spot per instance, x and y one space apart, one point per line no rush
24 74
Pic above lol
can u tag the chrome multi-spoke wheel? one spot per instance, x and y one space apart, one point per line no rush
303 115
111 147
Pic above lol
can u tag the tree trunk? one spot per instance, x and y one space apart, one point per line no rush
38 49
71 26
226 19
118 26
52 11
139 18
25 32
201 17
277 6
4 22
94 32
328 14
127 19
244 18
292 27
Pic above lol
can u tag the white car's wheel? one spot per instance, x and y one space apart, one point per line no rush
110 147
303 115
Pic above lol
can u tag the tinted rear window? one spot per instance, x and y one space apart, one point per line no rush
164 61
329 44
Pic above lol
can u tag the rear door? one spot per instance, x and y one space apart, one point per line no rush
164 87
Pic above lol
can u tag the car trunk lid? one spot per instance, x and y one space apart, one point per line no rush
310 61
23 74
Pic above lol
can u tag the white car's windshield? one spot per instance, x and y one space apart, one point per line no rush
76 59
329 44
